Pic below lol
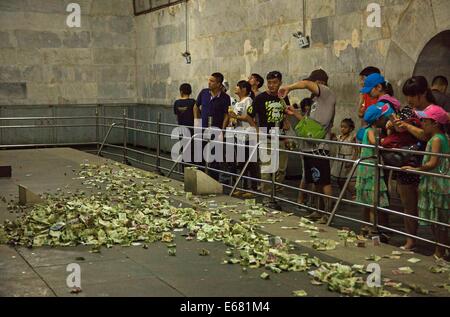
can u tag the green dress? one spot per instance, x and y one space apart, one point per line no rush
434 192
365 178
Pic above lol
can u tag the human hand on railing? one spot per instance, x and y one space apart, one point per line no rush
405 168
283 92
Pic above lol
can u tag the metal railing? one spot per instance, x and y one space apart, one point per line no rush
158 124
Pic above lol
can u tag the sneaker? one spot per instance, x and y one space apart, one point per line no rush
323 220
384 237
365 230
314 215
272 205
301 209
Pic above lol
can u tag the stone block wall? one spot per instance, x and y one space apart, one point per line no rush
43 61
238 37
116 57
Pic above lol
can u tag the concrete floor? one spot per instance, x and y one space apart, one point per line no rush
347 210
136 271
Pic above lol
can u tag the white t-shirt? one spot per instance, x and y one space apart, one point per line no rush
240 108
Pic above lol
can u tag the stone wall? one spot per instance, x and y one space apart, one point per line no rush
238 37
44 61
115 57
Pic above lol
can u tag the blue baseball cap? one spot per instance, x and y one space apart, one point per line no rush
375 112
371 82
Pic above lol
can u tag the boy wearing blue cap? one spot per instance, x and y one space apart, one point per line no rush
376 116
365 100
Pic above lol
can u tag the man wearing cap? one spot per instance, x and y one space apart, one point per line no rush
317 171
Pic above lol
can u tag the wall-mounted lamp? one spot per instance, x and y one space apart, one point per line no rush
187 56
303 41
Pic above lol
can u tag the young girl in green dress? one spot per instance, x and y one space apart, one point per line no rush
376 116
434 191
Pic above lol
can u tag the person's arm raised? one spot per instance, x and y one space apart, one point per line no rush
303 84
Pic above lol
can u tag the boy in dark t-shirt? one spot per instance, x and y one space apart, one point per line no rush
184 110
184 107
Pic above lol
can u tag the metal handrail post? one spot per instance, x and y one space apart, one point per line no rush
97 127
54 123
1 129
272 192
125 136
177 161
245 168
344 188
106 137
158 143
376 198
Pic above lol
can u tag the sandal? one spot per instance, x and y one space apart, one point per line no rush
439 259
237 194
248 195
413 249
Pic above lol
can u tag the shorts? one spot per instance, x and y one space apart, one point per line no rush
317 171
405 178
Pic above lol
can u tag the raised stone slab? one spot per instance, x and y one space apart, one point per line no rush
198 183
27 197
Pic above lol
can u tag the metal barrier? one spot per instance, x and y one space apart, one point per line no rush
344 188
159 157
244 169
179 158
99 153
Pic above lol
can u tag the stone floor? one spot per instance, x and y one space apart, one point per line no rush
135 271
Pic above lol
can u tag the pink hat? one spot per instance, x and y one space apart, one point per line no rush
434 112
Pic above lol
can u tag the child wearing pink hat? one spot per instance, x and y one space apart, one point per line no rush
434 191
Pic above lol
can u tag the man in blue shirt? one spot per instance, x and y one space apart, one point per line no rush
212 106
212 103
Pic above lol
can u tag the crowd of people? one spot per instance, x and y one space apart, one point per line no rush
421 125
